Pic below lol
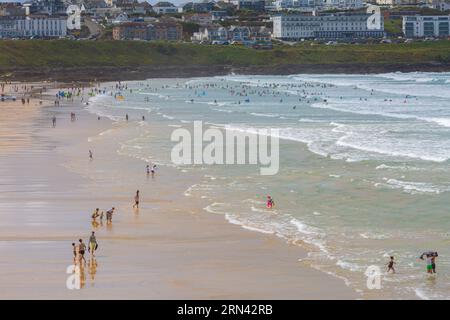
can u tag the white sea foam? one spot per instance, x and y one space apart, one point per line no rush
414 187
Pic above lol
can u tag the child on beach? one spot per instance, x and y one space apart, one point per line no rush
75 251
390 265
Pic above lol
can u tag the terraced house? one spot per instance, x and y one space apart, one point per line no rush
159 30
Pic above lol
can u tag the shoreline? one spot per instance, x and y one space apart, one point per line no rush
178 252
111 73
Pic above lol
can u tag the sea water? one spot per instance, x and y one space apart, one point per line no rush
364 165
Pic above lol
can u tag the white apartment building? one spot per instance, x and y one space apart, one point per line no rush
442 5
397 2
296 4
338 26
165 7
344 4
426 26
53 27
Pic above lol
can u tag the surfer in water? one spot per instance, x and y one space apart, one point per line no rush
270 202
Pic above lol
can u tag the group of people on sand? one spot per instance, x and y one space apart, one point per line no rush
97 214
79 250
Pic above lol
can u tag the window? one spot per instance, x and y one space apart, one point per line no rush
428 29
409 29
443 29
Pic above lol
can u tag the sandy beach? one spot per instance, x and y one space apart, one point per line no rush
168 249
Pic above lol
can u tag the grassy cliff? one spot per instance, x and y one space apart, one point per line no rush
59 54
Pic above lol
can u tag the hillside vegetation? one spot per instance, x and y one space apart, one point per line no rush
64 53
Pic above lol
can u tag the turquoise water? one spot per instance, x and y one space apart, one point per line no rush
364 165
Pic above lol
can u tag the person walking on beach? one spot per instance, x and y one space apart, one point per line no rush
75 251
109 215
93 245
54 121
91 156
136 200
148 169
126 117
390 265
95 215
82 250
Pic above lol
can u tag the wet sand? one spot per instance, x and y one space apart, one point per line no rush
169 249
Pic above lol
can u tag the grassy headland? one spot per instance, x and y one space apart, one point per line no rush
105 59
